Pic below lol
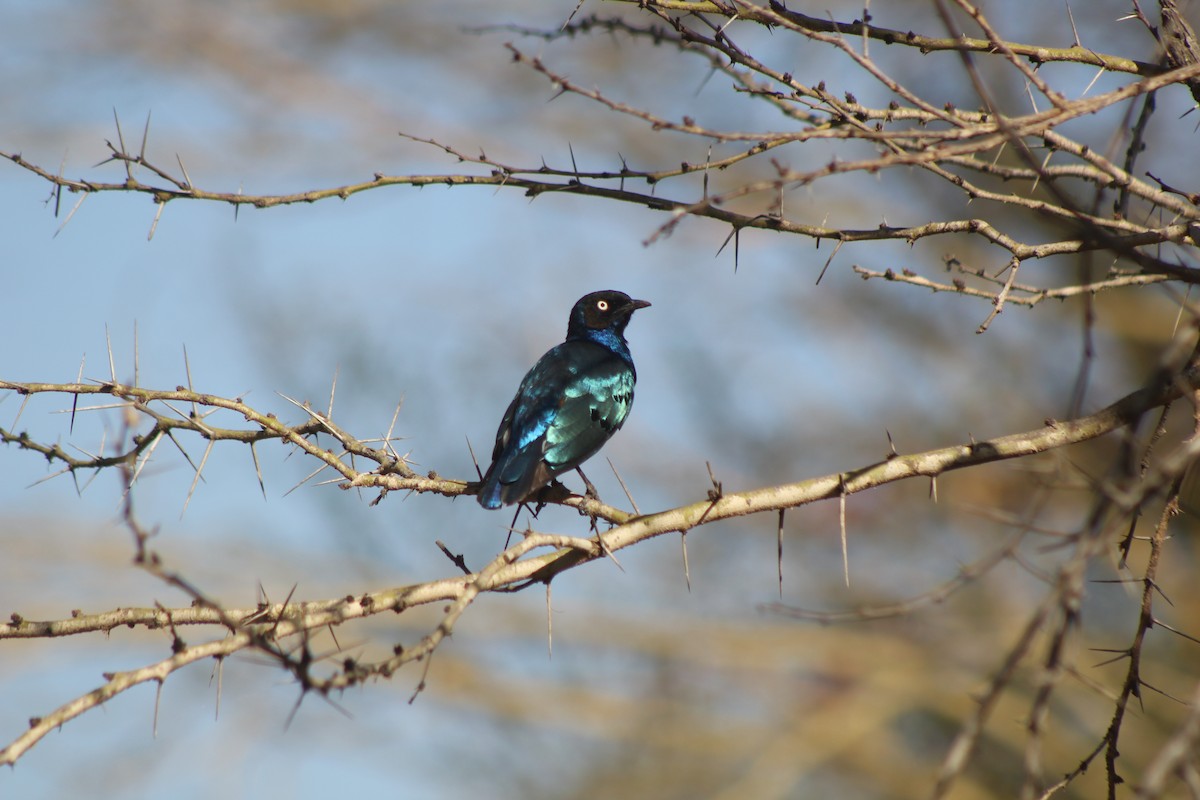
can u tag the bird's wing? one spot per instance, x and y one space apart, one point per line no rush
593 406
568 405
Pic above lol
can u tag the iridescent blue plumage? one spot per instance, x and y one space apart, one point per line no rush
573 400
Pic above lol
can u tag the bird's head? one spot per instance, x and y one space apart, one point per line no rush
598 311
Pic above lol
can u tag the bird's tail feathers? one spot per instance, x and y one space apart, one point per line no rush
490 488
513 477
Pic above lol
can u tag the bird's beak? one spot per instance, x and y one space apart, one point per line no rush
634 305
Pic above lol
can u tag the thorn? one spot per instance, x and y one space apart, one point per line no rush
589 490
1074 30
842 523
474 460
513 525
187 370
549 613
187 179
621 481
74 398
112 367
121 142
578 6
292 714
306 407
157 216
424 674
1092 83
71 213
735 235
286 601
332 391
866 30
829 260
714 494
718 489
574 166
305 480
1160 624
779 552
387 437
145 459
604 548
220 670
708 77
145 136
196 479
258 470
687 573
157 705
45 478
175 442
62 165
25 402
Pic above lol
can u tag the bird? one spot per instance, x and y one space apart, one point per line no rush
568 405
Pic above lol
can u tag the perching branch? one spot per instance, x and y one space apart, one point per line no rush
265 627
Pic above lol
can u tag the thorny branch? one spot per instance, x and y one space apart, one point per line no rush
960 146
266 627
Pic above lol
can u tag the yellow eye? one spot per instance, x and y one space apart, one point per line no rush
602 305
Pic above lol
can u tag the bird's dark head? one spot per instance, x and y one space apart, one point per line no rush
602 311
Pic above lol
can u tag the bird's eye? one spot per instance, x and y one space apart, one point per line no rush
602 305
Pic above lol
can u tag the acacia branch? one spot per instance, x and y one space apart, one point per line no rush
967 142
394 475
264 626
769 15
1031 295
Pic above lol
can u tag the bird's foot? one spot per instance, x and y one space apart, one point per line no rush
591 494
553 492
589 490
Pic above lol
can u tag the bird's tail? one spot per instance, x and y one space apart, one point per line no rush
489 491
513 477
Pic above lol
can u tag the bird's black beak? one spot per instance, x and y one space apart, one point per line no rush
634 305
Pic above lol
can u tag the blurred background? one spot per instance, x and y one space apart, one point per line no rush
439 299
